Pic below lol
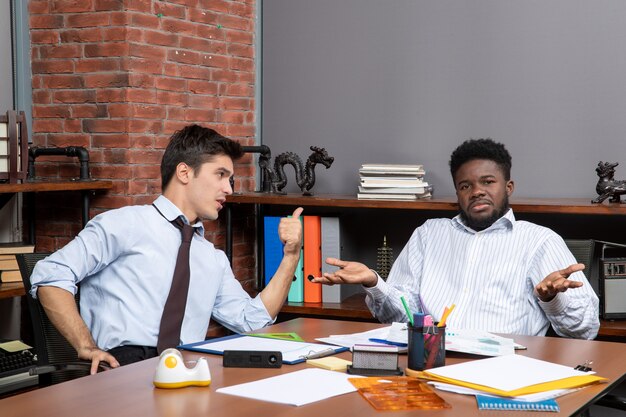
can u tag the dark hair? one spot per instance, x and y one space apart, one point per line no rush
195 145
481 149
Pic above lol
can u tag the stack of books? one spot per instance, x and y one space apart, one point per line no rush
9 270
392 182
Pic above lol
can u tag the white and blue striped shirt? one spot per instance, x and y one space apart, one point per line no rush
490 275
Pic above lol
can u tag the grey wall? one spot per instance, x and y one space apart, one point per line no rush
405 81
6 63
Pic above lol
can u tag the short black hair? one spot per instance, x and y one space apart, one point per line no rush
195 145
481 149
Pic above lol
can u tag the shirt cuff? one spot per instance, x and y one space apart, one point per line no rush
555 306
379 291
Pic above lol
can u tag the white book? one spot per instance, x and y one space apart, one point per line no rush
368 196
392 190
405 183
396 167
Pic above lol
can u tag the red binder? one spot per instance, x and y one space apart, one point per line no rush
312 258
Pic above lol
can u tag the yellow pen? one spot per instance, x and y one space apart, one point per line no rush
446 313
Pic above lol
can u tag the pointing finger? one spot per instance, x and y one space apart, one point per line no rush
336 262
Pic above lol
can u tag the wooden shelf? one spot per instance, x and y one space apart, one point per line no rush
521 205
11 289
63 185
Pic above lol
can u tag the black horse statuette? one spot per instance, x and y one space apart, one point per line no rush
607 186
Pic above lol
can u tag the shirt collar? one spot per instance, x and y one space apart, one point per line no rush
171 212
505 222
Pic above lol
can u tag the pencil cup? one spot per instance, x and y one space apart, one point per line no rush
434 346
415 348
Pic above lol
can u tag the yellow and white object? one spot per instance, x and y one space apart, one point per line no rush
171 372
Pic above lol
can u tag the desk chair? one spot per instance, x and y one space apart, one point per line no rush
56 358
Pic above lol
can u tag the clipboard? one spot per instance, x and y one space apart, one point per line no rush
293 352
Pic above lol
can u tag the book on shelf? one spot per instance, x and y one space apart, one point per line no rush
10 275
12 248
398 183
393 190
377 196
416 169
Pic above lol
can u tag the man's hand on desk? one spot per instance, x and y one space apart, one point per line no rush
96 355
348 273
558 282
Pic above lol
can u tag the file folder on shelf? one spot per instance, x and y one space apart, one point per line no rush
312 259
331 248
272 247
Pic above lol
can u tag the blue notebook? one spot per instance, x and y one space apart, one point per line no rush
486 402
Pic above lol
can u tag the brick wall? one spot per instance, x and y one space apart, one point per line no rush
119 77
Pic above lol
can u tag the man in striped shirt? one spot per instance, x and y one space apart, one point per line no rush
503 275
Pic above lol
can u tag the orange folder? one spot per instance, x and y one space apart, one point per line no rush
312 258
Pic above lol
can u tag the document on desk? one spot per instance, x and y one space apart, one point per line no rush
512 375
295 388
292 351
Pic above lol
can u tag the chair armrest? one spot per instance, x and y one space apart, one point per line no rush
68 366
612 401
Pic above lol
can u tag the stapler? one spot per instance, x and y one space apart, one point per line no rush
171 372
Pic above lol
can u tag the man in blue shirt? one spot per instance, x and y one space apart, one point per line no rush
502 274
124 262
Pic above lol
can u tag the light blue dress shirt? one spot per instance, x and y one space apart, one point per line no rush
490 276
124 262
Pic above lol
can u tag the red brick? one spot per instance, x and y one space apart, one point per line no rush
119 110
81 35
141 81
210 32
208 15
234 103
202 87
183 56
46 21
171 84
42 97
120 18
39 7
72 6
175 113
218 61
51 111
72 126
178 26
104 5
135 95
146 171
111 171
169 10
171 98
60 51
204 45
100 19
238 131
241 9
223 75
62 81
137 187
111 141
236 22
113 34
199 115
139 5
47 125
241 64
188 71
233 117
239 89
106 80
147 111
144 126
149 66
52 67
160 38
98 65
238 36
89 111
145 157
111 95
104 125
203 102
106 49
113 201
44 36
144 20
246 51
146 51
116 156
63 140
142 141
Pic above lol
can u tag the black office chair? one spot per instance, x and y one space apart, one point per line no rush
57 360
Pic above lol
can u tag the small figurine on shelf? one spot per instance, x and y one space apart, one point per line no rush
384 260
607 185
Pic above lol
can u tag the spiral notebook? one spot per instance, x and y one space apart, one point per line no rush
486 402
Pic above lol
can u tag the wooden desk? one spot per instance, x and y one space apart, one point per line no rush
128 391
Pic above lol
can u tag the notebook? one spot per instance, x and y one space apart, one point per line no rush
496 403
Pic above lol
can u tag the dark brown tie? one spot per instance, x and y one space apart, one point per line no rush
174 310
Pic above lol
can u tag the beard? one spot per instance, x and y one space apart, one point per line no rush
483 223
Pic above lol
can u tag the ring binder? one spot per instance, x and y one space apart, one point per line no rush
497 403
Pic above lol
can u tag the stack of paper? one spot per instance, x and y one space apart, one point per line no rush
511 376
393 182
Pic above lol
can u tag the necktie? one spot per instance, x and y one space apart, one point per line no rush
174 310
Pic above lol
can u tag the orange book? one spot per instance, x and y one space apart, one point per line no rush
312 258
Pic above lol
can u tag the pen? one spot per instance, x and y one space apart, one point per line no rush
320 354
446 313
406 308
387 342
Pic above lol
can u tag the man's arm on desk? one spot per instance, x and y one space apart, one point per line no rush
61 309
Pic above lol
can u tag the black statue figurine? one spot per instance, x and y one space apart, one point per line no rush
607 186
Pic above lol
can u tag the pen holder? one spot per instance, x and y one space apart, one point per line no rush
427 347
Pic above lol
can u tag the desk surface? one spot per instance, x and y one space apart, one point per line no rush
128 391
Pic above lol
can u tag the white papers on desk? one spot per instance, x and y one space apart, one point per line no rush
363 338
295 388
539 396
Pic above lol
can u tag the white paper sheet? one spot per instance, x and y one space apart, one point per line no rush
507 373
295 388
